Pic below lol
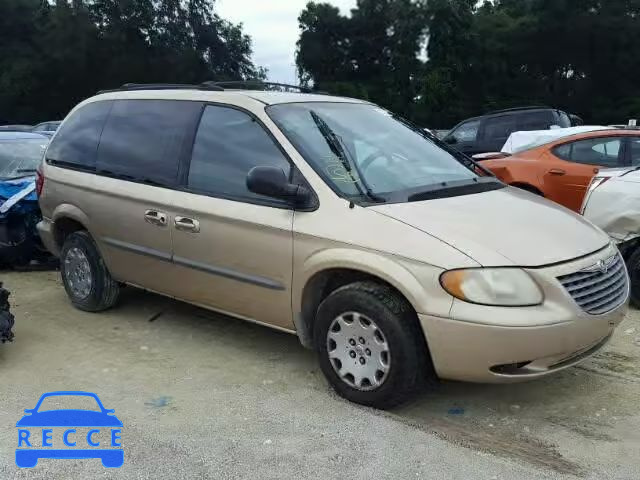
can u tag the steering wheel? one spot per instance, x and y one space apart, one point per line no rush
379 153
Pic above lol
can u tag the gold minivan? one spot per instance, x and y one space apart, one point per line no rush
396 258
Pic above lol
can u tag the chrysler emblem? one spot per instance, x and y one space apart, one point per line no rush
601 266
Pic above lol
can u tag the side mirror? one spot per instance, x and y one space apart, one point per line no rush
273 182
451 140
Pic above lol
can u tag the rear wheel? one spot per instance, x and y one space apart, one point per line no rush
370 346
85 276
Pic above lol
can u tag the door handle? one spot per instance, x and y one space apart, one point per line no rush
187 224
155 218
557 171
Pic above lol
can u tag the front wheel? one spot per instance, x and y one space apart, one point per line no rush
370 345
86 279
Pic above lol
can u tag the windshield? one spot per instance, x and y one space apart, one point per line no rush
20 158
363 151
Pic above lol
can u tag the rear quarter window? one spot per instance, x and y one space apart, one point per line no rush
76 144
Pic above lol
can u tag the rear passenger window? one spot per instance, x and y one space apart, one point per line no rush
535 121
228 144
143 139
499 127
76 144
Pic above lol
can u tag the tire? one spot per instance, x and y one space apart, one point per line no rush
408 361
633 265
102 291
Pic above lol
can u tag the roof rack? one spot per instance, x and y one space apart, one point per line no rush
161 86
215 86
516 109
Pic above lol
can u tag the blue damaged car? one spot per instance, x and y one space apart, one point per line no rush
38 424
20 156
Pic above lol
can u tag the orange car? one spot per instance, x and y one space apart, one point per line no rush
562 168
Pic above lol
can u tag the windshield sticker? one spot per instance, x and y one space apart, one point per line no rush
338 173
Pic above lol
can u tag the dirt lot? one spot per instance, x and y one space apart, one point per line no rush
205 396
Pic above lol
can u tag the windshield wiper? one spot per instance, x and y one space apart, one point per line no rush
337 146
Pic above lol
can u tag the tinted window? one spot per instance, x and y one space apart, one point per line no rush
593 151
499 127
467 132
634 151
143 139
76 143
535 121
228 144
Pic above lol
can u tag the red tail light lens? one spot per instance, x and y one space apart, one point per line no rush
39 182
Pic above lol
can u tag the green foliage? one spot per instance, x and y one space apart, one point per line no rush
579 55
53 54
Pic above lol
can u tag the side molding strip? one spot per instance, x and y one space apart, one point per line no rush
227 273
131 247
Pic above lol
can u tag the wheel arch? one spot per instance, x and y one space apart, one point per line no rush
67 219
330 270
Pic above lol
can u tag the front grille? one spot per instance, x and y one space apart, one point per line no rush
598 291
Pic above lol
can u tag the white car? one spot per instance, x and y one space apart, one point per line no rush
612 202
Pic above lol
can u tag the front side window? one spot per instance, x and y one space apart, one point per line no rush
76 144
363 152
228 144
143 139
467 132
20 158
592 151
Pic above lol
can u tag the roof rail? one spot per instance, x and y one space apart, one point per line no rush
516 109
215 86
251 84
162 86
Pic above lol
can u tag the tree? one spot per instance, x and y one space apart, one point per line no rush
53 54
372 54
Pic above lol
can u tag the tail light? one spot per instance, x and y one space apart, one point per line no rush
39 182
595 183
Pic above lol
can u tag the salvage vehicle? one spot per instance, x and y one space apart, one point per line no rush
330 218
489 132
559 164
613 204
20 155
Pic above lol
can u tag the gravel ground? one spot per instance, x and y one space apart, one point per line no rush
204 396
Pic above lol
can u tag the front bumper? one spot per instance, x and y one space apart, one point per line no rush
500 344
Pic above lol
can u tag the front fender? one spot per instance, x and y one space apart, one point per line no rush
418 282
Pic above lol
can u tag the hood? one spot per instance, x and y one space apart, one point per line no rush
502 227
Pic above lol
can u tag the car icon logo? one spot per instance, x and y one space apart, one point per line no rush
69 433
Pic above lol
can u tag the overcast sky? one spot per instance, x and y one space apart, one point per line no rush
273 26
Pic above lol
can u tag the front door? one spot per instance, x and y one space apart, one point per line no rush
567 176
232 248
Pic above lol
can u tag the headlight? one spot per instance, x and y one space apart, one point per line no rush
509 287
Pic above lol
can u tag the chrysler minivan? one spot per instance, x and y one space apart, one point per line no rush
396 258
